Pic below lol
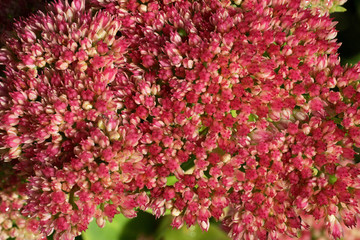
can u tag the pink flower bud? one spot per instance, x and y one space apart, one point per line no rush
100 221
259 136
300 115
13 153
177 222
61 65
78 5
286 114
28 60
204 224
335 228
61 224
275 115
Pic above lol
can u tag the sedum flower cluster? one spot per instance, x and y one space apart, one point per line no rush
234 110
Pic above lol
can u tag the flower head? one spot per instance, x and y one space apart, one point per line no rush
244 105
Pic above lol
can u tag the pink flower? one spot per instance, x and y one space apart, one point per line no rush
232 101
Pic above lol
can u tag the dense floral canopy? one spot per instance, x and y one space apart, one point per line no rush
236 110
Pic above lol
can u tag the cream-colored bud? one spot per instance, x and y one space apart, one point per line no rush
7 224
40 62
101 124
114 135
142 8
61 65
100 222
12 131
168 205
101 34
87 105
13 153
81 66
49 110
175 212
91 52
226 158
32 95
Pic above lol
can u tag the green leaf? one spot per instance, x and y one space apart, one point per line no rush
203 130
182 32
111 231
122 228
337 120
189 163
141 227
233 113
352 60
332 179
171 180
166 232
337 8
315 171
252 118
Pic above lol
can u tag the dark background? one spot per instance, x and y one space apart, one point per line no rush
349 31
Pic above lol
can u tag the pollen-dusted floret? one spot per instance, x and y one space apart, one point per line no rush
244 105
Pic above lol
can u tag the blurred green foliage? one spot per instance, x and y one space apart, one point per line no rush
349 31
110 231
165 232
146 227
